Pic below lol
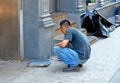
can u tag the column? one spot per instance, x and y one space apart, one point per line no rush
113 0
99 3
38 32
45 31
78 6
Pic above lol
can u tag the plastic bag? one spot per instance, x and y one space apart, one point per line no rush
96 24
103 30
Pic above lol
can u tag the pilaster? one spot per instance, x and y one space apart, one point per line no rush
38 32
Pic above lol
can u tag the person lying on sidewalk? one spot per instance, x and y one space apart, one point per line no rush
74 50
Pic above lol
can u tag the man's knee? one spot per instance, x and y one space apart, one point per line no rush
57 49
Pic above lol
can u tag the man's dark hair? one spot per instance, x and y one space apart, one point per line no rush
65 22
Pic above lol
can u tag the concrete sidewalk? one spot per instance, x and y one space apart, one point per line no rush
100 68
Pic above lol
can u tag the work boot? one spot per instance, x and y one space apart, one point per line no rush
80 65
71 69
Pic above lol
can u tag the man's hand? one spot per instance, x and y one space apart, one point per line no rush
62 44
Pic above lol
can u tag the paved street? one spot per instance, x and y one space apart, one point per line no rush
116 77
102 67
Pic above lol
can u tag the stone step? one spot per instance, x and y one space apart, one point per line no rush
83 30
57 32
58 16
92 39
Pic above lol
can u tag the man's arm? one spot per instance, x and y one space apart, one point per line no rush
63 43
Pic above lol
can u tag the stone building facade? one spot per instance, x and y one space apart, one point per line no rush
26 26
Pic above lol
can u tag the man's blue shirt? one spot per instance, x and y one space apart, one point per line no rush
79 42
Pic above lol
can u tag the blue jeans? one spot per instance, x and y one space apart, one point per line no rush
67 55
